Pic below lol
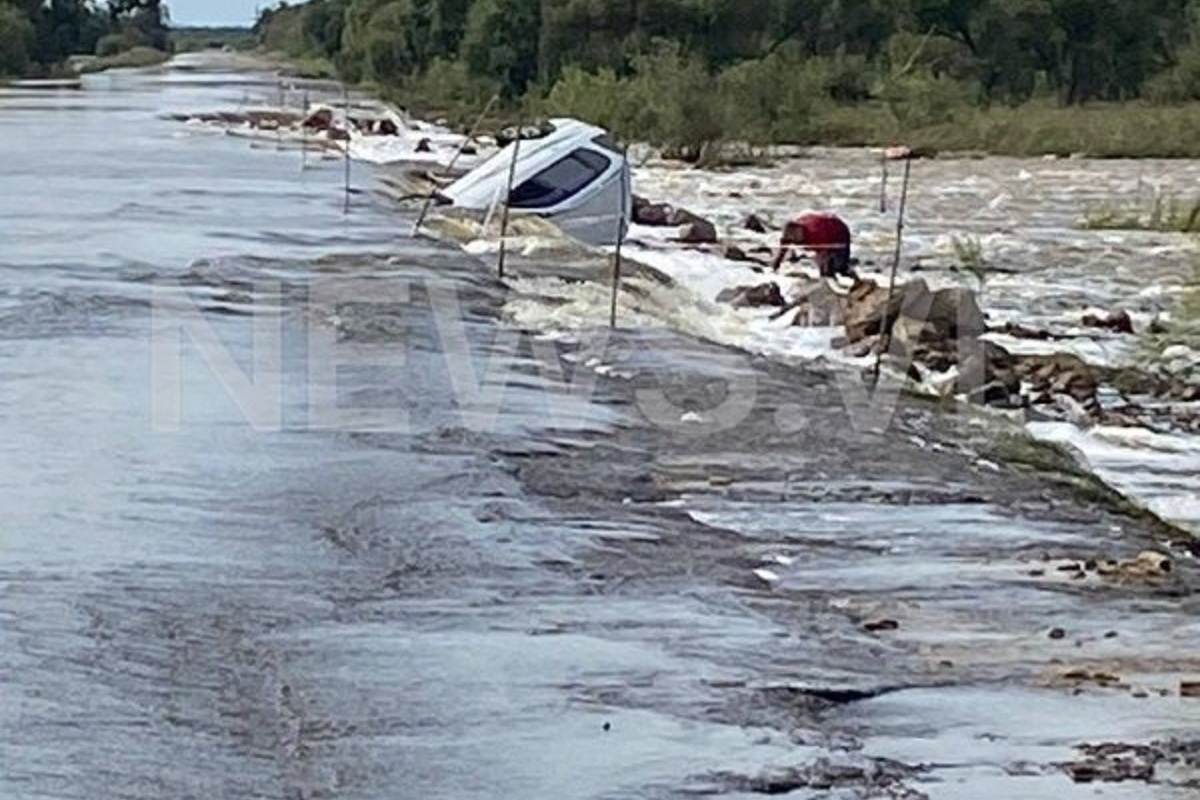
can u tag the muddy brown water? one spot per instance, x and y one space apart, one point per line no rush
211 587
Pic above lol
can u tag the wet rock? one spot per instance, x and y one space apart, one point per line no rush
946 314
1184 392
319 120
1117 322
1117 763
510 134
867 304
765 294
1189 689
1152 563
1057 633
1082 772
698 231
1084 676
1060 373
1018 331
874 778
882 625
956 313
272 120
987 373
387 128
735 253
755 224
652 214
424 146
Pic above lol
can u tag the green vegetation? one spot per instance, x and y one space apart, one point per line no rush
125 59
1006 76
39 37
1164 214
189 40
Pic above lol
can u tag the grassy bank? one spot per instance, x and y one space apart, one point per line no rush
658 110
1116 130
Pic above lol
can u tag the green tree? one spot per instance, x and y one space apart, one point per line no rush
17 38
501 40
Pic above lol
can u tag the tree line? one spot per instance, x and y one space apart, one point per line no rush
772 69
37 36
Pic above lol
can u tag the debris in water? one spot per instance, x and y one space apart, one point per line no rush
766 575
882 625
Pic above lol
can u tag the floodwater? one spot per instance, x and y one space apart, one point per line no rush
271 529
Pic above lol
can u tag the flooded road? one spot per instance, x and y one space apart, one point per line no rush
289 512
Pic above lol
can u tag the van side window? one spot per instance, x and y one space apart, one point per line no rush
560 180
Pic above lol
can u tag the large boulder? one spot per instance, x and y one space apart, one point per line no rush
698 231
931 316
956 312
867 305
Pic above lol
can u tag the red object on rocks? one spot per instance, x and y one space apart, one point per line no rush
818 231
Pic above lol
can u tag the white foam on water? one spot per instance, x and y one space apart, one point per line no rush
1162 471
403 148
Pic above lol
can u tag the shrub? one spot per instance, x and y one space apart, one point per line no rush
16 39
110 45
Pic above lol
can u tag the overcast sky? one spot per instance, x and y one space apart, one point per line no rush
216 12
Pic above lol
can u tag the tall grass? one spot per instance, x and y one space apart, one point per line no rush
1163 214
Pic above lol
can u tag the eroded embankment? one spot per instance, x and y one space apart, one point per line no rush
907 569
